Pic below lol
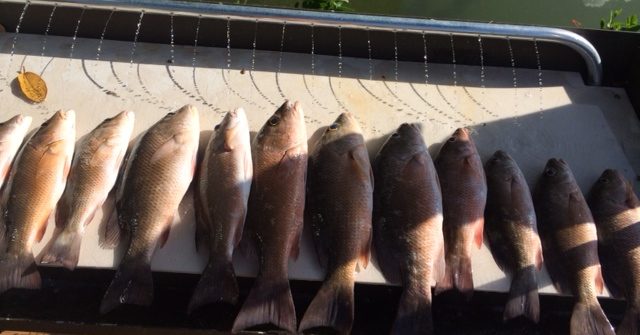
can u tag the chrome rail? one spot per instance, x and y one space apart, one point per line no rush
292 16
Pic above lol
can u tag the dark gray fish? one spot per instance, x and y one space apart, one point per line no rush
510 228
407 226
339 203
616 211
570 246
157 176
275 217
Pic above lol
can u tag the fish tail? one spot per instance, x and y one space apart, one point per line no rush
269 301
217 284
414 313
457 275
523 296
19 271
63 248
132 284
630 324
332 307
589 319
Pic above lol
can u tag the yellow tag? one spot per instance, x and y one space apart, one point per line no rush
32 86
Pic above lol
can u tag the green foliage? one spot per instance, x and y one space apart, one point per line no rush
629 24
333 5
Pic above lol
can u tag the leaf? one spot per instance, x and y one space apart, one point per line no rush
32 86
602 24
617 12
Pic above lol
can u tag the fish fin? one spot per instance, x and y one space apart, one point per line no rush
386 261
599 281
19 271
217 284
438 267
457 275
165 234
588 318
295 246
553 264
630 324
523 296
103 152
539 256
365 249
479 233
63 248
165 150
361 164
610 246
112 232
414 314
269 302
202 234
41 230
332 307
132 284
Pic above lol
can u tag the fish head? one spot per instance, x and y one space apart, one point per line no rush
406 140
458 146
556 171
344 125
18 122
501 165
60 129
184 124
233 126
284 129
119 126
612 186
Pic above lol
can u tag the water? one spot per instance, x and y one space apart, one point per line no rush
194 66
284 27
333 90
454 74
133 48
46 30
253 67
539 65
104 32
315 100
13 43
426 59
74 39
172 58
515 79
395 61
369 53
228 54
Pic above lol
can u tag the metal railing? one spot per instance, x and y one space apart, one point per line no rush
349 20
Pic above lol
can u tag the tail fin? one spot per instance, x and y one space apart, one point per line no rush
19 271
630 323
457 275
414 313
269 302
132 284
63 248
589 319
523 296
217 284
332 307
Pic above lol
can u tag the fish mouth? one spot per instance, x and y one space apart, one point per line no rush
462 134
610 175
500 155
409 128
69 115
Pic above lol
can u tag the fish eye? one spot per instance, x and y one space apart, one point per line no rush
452 139
274 120
396 134
216 127
171 114
334 126
550 172
604 180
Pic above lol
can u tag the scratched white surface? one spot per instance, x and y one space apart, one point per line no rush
593 128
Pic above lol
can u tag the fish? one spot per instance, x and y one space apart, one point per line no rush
35 185
275 217
12 133
570 246
156 178
222 192
407 226
616 211
512 234
94 170
340 205
464 196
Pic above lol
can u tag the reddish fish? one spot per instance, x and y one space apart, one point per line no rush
275 217
340 201
464 194
408 226
510 227
222 192
157 176
12 133
93 173
570 246
616 211
35 185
